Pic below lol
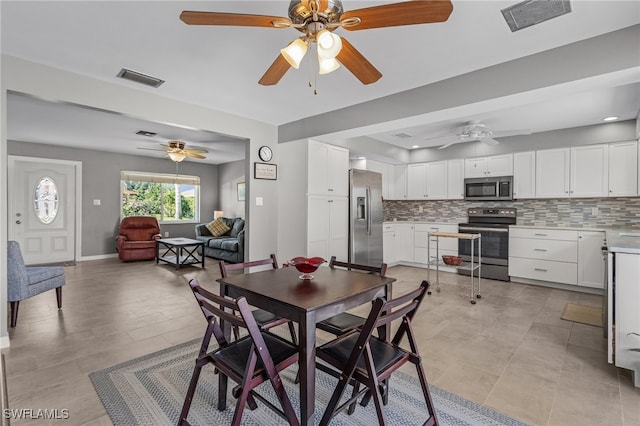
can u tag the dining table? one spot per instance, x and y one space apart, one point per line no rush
306 302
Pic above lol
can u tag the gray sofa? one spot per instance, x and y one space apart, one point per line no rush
228 247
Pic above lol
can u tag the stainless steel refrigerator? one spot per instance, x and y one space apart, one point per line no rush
365 217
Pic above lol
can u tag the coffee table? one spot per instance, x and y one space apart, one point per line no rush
179 251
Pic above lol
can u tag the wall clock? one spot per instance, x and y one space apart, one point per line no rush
265 153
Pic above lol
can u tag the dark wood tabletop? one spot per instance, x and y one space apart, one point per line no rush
306 302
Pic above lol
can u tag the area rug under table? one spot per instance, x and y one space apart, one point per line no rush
150 391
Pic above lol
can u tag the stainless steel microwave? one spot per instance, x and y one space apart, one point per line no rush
499 188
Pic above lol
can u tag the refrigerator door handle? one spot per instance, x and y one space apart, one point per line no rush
369 210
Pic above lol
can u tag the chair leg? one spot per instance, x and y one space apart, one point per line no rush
14 313
433 420
187 400
59 297
292 330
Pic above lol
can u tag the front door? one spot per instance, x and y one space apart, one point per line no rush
42 206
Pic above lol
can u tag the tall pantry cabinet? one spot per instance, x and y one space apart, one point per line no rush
313 200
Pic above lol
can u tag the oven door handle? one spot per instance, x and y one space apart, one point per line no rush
503 230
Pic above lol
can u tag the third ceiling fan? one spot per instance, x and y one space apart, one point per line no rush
317 20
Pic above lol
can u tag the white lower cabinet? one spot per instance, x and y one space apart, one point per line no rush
591 262
563 256
544 255
404 238
408 242
389 244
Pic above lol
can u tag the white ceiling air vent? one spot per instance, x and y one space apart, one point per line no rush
138 77
532 12
402 135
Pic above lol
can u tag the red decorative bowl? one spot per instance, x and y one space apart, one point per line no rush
306 265
452 260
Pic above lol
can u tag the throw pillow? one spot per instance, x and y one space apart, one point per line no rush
217 227
238 226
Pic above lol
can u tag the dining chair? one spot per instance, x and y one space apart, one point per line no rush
265 319
251 360
345 321
360 357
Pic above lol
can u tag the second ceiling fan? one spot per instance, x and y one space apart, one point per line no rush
317 19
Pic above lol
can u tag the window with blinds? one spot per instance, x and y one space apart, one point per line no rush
169 198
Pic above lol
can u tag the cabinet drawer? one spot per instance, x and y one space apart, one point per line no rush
557 250
544 234
544 270
436 227
388 228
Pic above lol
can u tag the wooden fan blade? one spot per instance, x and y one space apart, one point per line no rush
197 150
153 149
193 155
357 64
396 14
236 19
278 68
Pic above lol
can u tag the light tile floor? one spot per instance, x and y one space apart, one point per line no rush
510 351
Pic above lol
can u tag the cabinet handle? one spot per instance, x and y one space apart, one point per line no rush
539 250
540 235
539 269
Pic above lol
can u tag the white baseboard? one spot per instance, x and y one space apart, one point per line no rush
98 257
4 342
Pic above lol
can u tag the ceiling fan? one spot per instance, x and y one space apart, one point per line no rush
317 19
177 151
472 131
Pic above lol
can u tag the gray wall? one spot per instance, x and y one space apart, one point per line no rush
229 176
101 180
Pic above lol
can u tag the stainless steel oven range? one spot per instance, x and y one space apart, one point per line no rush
493 225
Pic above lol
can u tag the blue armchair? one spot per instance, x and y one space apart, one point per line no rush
27 281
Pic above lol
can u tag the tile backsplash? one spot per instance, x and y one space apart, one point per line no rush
578 212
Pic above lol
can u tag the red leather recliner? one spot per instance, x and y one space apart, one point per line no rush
137 237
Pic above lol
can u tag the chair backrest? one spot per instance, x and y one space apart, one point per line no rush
139 228
226 267
17 279
380 270
383 313
236 312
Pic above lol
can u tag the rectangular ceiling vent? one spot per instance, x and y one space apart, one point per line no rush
402 135
146 133
532 12
138 77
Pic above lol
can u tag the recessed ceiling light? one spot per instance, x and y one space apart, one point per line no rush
612 118
415 146
362 158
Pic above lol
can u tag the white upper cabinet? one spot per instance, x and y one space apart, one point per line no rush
386 170
417 181
623 169
437 180
497 165
455 179
552 173
524 174
399 187
590 171
328 167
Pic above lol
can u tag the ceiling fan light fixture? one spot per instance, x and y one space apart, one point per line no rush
294 52
329 44
327 65
176 156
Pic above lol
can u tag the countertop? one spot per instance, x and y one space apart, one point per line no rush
623 241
